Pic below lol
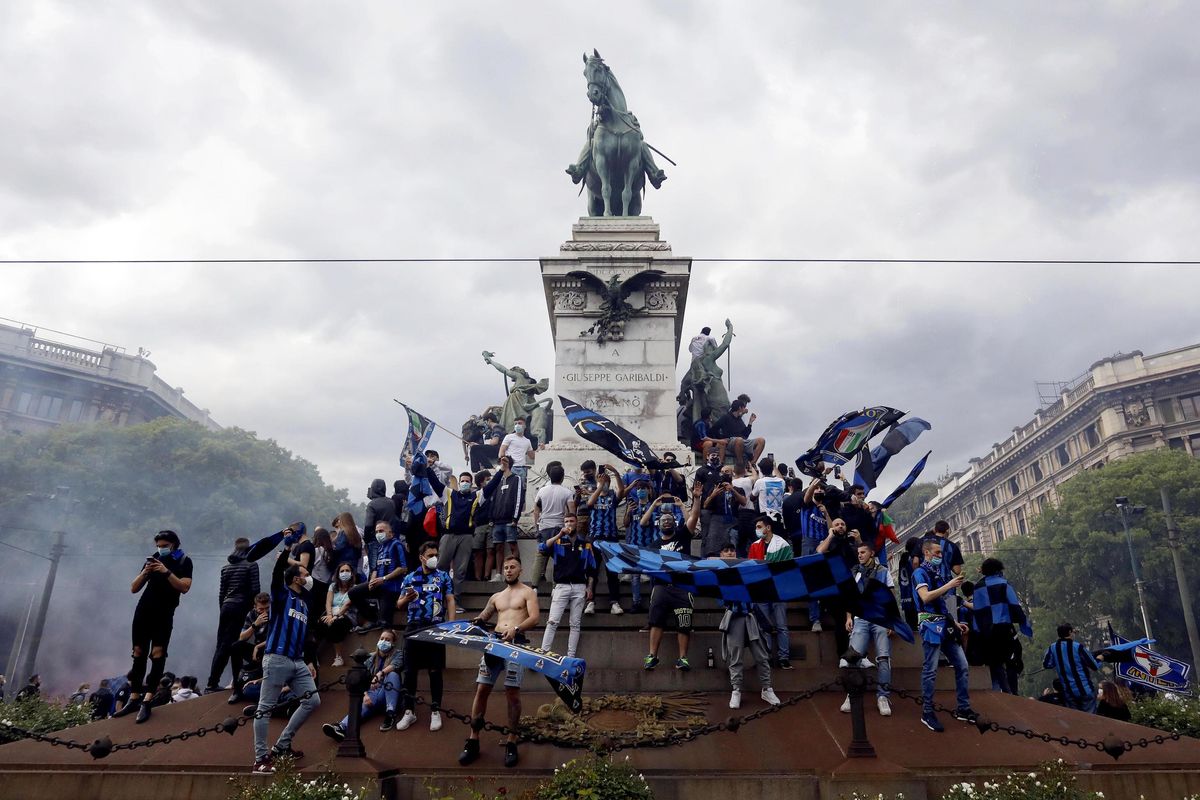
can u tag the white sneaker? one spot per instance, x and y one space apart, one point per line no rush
616 610
406 721
495 577
769 695
590 608
435 721
866 663
885 708
338 661
846 705
735 699
816 627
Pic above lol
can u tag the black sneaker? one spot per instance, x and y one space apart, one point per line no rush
334 732
212 689
286 752
966 715
129 708
785 663
638 608
235 698
510 755
389 721
263 767
470 752
143 713
930 720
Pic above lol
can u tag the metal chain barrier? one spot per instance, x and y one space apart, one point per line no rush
104 746
1112 745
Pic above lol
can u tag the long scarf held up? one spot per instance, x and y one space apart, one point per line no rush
997 604
564 673
418 485
815 577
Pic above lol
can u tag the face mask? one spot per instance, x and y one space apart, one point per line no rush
519 429
163 552
379 537
760 533
308 583
465 485
345 576
643 494
935 561
713 461
431 562
384 645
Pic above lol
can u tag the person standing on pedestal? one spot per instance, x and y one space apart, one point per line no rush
552 502
517 447
602 525
505 496
741 632
574 580
769 546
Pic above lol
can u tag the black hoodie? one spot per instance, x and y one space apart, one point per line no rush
239 581
379 507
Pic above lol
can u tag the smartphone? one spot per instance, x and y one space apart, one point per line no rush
771 456
669 507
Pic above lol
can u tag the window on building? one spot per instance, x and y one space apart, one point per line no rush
976 545
1020 517
998 529
1190 406
1037 471
1166 411
1140 443
76 411
1176 443
971 512
1041 502
1061 453
55 411
1194 441
23 402
1014 486
49 406
1091 435
992 500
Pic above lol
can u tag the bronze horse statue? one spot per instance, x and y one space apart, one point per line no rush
616 162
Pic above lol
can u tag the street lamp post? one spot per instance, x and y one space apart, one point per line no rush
1128 511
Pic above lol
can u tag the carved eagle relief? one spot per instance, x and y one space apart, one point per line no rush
614 308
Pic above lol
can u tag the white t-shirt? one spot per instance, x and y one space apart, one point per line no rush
768 492
746 484
516 446
553 499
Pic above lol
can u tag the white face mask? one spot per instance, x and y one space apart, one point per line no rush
345 576
519 429
431 562
379 537
308 583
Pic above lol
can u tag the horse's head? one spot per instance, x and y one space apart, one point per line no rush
598 76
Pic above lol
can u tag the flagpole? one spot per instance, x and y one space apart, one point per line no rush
435 422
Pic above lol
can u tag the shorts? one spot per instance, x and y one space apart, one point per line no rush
424 655
503 534
152 629
671 609
490 668
479 539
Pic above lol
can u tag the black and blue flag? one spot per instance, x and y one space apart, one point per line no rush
603 432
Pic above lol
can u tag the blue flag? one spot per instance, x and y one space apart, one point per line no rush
1137 663
907 482
846 437
871 463
420 430
603 432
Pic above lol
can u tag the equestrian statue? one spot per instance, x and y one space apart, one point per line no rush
616 162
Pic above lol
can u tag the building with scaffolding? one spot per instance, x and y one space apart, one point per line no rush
48 378
1125 404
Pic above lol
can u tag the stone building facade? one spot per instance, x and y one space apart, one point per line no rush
50 379
1125 404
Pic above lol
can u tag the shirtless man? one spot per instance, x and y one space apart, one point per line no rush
517 608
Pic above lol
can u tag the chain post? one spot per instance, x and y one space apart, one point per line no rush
357 683
856 682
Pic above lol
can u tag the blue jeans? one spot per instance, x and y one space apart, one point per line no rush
778 645
808 547
387 695
865 632
958 659
280 671
1085 704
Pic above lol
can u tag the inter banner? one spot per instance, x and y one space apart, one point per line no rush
1147 668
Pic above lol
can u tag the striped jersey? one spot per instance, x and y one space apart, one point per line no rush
926 576
390 555
813 524
603 523
1071 661
289 616
433 589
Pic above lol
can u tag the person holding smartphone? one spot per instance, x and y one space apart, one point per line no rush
427 593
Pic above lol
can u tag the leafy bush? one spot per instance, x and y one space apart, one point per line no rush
287 784
40 715
1173 716
595 778
1051 781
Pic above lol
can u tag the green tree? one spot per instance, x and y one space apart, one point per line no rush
912 503
1075 567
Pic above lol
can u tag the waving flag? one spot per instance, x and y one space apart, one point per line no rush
603 432
1137 663
846 437
871 462
420 430
809 577
907 482
996 603
565 674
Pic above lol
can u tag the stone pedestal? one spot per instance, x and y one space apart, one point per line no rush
631 381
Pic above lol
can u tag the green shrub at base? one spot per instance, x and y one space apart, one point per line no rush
1173 716
40 716
287 784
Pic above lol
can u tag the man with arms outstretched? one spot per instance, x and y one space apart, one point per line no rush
516 610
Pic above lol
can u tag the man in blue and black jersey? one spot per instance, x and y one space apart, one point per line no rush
940 633
428 596
1072 662
283 656
387 575
602 507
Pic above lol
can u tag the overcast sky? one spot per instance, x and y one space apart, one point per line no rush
293 129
